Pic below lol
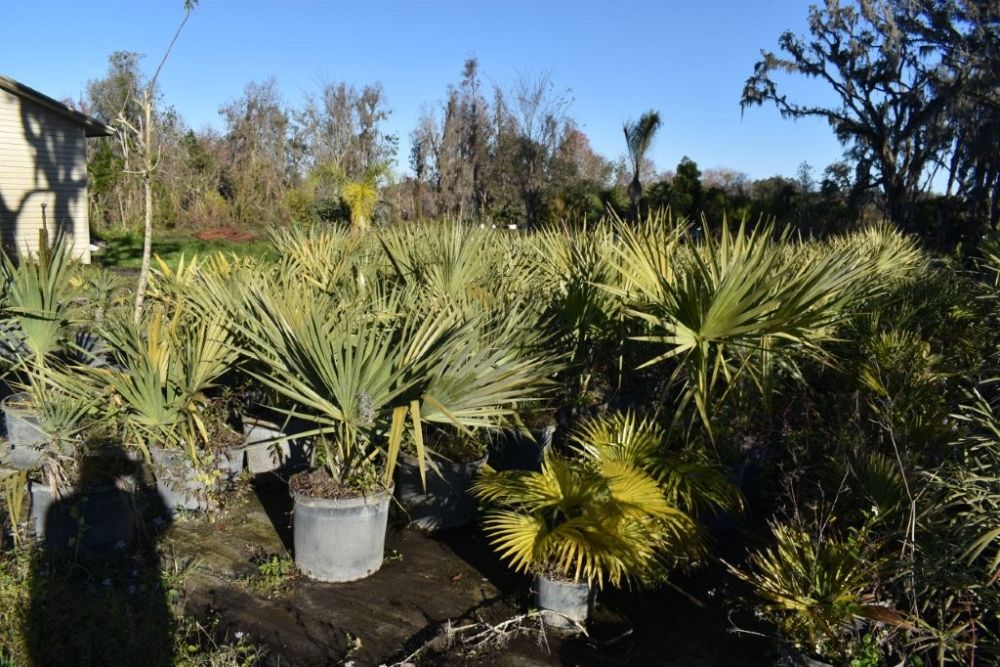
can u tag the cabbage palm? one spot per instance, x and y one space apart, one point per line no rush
638 138
39 298
362 196
584 318
460 264
161 370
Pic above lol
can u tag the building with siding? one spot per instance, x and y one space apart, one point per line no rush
43 169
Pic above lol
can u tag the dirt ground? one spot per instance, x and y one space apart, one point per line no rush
427 584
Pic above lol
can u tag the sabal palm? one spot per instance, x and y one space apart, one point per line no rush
362 196
582 315
39 296
460 264
638 138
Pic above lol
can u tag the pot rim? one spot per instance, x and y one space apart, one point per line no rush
18 396
564 582
374 498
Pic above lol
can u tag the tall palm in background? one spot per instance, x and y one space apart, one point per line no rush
638 138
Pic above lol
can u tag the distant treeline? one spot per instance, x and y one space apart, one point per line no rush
919 87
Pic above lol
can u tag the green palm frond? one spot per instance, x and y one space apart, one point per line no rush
687 479
360 369
39 295
745 302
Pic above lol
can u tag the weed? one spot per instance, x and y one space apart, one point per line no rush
274 573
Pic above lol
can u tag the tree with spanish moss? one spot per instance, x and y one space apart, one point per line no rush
893 93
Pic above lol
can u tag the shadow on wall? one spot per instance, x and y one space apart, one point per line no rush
58 173
98 589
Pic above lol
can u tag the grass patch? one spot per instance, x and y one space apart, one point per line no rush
124 251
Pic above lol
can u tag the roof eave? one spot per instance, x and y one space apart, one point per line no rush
91 126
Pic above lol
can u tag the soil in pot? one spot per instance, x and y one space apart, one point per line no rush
564 603
446 502
338 534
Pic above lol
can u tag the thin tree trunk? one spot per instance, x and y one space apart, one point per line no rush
147 242
150 163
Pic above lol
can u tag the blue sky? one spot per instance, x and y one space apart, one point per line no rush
688 60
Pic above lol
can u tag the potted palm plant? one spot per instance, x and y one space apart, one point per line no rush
47 418
623 508
37 314
160 373
361 370
80 489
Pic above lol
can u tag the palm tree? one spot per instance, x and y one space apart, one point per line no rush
362 196
638 138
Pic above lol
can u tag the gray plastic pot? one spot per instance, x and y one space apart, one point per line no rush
177 480
95 521
24 433
340 539
263 453
563 602
446 502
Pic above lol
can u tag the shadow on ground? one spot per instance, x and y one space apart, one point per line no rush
95 598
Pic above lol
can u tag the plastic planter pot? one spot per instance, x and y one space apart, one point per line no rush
94 521
563 602
177 480
340 539
261 453
25 435
511 449
446 503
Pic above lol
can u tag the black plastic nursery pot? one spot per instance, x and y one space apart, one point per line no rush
564 604
511 449
446 503
341 539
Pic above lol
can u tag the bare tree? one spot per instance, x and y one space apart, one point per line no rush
538 112
343 126
142 154
257 152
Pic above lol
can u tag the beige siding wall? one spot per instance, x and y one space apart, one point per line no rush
43 159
